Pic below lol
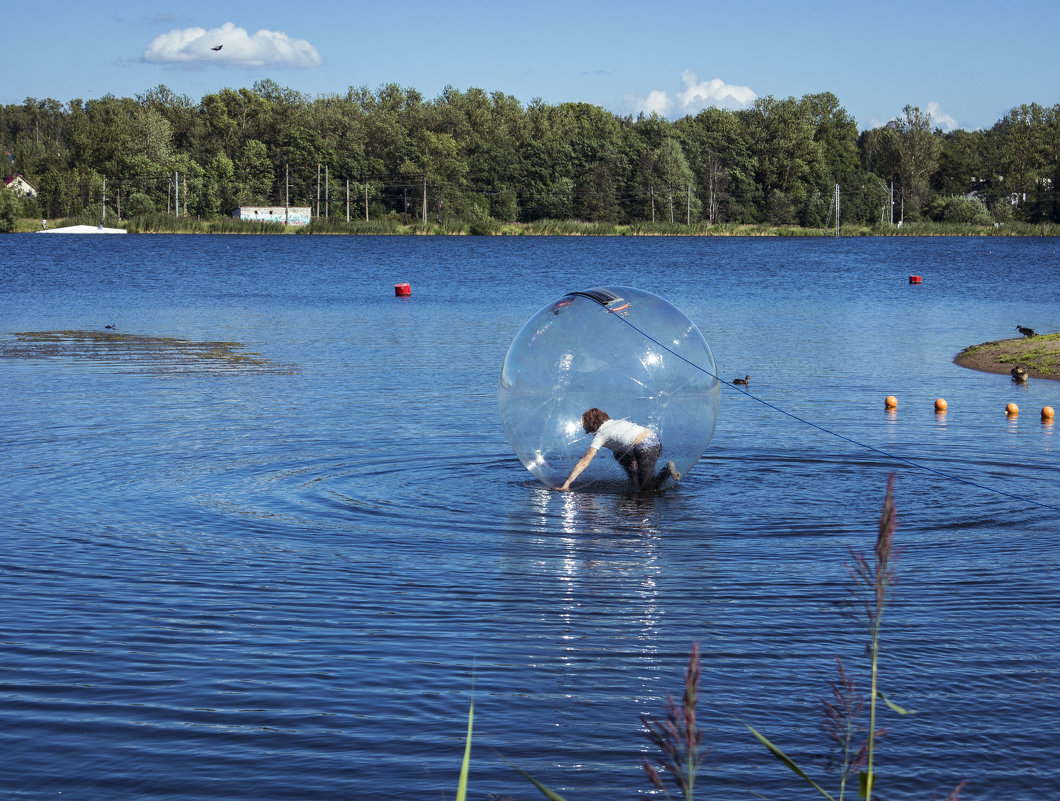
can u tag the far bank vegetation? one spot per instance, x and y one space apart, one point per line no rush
391 161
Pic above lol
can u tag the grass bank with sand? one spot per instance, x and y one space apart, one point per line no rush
1039 354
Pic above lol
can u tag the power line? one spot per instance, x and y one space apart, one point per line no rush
836 434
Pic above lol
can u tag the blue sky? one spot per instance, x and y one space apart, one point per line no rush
968 63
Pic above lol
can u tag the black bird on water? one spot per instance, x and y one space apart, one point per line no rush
744 380
1027 332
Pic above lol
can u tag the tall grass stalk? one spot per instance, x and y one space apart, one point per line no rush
871 582
876 578
678 738
842 723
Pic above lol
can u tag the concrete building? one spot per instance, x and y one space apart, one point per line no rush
294 215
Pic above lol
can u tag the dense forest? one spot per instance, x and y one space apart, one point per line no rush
485 158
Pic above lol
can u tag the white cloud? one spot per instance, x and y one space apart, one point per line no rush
655 103
940 120
194 46
693 98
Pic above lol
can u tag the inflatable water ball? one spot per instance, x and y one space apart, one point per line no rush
619 349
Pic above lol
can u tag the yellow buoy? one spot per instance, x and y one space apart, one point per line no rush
1012 410
891 402
940 405
1047 412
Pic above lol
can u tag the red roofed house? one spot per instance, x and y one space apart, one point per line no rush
20 186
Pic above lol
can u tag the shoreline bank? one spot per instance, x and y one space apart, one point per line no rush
166 224
1039 354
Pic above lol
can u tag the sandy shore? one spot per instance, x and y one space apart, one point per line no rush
1040 355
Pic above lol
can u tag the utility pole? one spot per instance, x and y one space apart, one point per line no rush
347 200
837 209
176 193
425 198
103 217
688 206
286 194
318 191
327 195
366 200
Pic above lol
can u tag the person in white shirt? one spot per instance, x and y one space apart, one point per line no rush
636 448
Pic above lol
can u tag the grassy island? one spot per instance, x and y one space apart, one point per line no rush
1039 354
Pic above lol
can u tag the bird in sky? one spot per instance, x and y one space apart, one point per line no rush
215 49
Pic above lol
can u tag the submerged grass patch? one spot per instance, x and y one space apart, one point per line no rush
139 352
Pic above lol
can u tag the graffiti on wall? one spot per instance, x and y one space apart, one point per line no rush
294 215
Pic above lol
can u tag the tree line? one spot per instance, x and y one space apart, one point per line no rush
483 157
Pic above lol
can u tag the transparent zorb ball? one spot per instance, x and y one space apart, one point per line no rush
619 349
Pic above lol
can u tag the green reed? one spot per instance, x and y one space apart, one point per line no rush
679 753
871 580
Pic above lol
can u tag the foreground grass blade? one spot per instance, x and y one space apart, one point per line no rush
892 705
544 790
461 788
788 761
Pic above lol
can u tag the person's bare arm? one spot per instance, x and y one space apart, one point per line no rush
578 468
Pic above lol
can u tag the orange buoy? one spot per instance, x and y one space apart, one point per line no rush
941 405
890 402
402 290
1047 412
1012 410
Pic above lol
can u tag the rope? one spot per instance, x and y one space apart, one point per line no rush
836 434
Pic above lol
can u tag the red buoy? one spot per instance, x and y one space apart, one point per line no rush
402 290
915 279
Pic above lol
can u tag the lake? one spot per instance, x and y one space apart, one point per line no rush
283 570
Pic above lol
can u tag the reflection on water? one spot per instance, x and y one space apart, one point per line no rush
283 584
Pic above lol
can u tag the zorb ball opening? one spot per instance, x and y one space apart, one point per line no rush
619 349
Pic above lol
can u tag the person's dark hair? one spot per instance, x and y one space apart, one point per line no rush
593 418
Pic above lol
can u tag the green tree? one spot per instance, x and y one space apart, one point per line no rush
675 176
10 210
787 156
1051 148
718 153
219 187
253 174
960 169
138 203
917 151
1021 151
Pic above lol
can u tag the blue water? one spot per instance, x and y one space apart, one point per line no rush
284 582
